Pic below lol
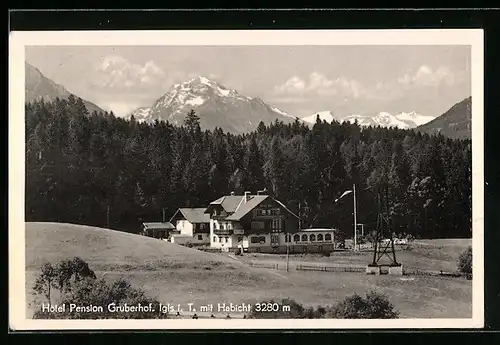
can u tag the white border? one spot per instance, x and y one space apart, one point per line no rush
17 43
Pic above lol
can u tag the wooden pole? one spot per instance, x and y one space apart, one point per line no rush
107 218
289 237
355 220
164 215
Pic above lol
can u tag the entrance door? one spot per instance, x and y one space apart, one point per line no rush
275 240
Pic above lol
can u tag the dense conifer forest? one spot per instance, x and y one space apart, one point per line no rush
80 165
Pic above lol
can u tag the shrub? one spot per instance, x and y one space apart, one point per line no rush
99 293
79 286
374 306
465 262
71 271
45 281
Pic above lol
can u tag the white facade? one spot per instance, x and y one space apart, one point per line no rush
185 227
264 241
197 239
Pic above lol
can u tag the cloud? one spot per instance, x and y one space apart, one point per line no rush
426 76
320 85
116 72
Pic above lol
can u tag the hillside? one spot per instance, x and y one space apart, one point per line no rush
38 86
106 249
454 123
175 274
216 105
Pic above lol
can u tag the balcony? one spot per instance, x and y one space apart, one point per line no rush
223 231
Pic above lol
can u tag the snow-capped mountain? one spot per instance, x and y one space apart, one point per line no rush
216 105
141 114
414 119
323 116
382 119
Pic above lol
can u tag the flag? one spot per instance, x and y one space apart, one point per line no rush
343 195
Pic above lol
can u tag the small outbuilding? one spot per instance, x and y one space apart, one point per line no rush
158 230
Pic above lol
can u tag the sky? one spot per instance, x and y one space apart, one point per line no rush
300 80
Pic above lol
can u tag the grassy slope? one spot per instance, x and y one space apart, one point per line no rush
432 255
181 275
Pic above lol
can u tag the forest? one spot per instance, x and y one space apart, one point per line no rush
102 170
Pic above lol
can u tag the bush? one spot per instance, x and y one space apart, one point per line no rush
62 276
83 289
374 306
465 262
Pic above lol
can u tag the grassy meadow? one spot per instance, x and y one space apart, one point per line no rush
176 274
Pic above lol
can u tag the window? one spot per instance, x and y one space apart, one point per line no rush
274 239
223 226
216 225
202 226
296 238
328 237
268 212
215 239
320 237
304 238
229 226
200 237
227 239
258 239
275 211
215 213
312 238
288 238
257 225
220 239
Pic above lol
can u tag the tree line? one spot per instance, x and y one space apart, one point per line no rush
80 165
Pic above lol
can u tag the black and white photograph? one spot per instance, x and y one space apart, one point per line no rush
213 179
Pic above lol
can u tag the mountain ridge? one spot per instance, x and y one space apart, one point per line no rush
38 86
454 123
216 105
402 120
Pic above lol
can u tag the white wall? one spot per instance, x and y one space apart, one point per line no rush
309 236
224 242
185 227
182 239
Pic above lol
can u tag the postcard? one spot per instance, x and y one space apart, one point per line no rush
260 179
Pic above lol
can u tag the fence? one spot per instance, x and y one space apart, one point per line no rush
352 269
440 273
264 265
330 268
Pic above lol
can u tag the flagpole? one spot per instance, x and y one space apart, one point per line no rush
355 220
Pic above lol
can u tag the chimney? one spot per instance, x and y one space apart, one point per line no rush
232 193
245 198
259 192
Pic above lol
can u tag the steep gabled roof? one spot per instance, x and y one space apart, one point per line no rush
193 215
229 203
245 207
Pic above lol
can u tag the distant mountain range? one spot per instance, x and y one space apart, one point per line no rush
216 105
37 86
383 119
455 123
